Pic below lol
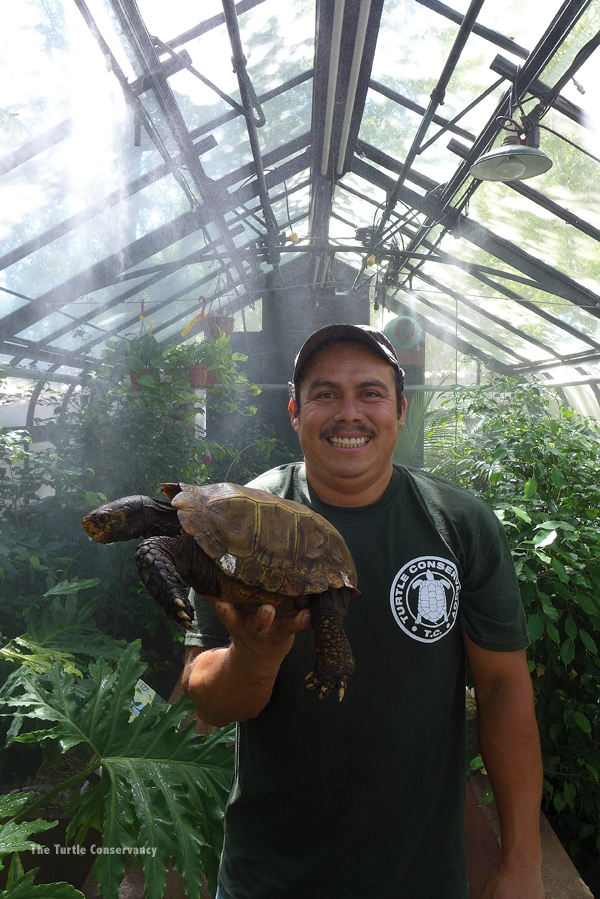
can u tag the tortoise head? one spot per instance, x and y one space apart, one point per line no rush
120 520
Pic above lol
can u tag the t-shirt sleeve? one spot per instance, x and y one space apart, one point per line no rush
211 631
491 612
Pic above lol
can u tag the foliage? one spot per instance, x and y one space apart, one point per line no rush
13 839
536 463
158 783
421 420
107 440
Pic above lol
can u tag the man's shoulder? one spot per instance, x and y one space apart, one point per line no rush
280 480
444 487
452 502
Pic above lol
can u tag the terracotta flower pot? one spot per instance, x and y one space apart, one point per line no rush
134 379
201 376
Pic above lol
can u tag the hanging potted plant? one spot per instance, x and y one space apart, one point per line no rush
140 358
196 358
220 322
201 375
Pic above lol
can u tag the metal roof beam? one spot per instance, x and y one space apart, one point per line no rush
437 97
250 101
546 277
36 145
420 110
113 199
494 37
539 89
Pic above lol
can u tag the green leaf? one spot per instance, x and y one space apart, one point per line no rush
535 625
530 488
567 652
570 792
13 837
522 514
26 889
159 784
65 588
583 722
544 538
557 478
552 632
554 730
571 628
560 570
588 642
146 381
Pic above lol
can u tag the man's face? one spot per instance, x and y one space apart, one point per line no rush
348 421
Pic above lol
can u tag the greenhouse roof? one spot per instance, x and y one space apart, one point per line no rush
156 166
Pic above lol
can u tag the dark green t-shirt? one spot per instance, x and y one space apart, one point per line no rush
364 799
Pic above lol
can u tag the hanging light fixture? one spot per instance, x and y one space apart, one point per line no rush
519 157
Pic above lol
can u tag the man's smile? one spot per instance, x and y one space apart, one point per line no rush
348 441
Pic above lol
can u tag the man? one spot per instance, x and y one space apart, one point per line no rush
364 799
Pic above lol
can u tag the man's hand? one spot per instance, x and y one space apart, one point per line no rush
235 682
259 636
517 883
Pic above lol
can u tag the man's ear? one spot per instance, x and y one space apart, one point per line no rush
293 414
403 405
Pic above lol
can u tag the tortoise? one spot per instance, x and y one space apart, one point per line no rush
241 545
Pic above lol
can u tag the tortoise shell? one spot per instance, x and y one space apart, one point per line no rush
267 542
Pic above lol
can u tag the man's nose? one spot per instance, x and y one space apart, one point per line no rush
348 409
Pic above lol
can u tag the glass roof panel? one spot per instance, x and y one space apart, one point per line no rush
440 310
531 323
97 239
517 219
584 88
169 20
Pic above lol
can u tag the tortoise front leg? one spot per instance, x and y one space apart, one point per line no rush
167 574
335 662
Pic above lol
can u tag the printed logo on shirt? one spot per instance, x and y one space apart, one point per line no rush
424 598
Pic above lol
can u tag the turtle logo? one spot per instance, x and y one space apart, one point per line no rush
424 598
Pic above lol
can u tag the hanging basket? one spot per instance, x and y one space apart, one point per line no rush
218 323
201 376
134 379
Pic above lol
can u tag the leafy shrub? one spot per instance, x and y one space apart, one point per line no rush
151 783
536 463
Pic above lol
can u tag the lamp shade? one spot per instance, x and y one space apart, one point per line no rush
511 162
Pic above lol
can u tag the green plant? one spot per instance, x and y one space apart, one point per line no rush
13 840
159 786
107 440
536 463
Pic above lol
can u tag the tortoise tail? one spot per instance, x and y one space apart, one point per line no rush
170 490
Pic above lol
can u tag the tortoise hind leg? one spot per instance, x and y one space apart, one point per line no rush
335 662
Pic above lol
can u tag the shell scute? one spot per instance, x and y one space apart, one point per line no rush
278 545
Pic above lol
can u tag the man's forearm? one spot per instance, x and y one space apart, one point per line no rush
509 743
223 688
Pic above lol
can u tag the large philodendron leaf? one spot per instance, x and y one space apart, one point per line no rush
25 888
13 838
159 783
